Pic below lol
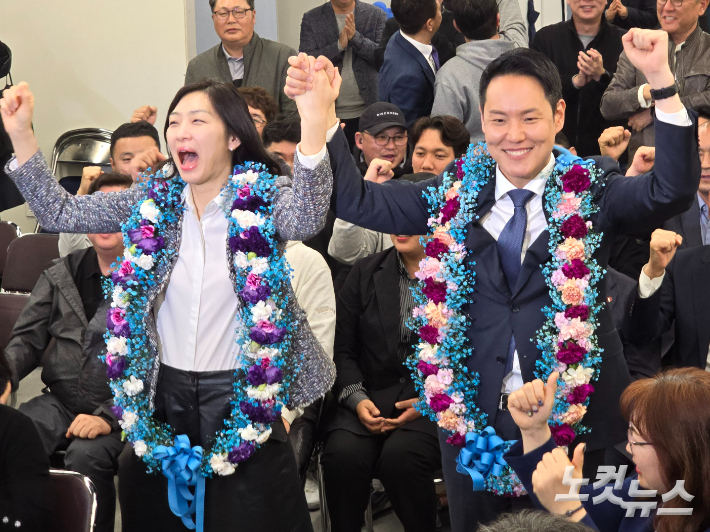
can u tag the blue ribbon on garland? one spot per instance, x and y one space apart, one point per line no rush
482 456
566 159
181 465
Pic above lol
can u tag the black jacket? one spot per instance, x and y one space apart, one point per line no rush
682 304
366 340
642 14
584 122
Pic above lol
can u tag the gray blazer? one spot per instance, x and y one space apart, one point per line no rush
265 66
319 36
299 211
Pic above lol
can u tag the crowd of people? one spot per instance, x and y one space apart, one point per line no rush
436 247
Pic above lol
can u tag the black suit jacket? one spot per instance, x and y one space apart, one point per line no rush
687 225
642 14
366 340
625 204
683 298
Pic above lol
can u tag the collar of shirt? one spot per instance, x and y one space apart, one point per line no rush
230 57
213 206
703 208
424 49
536 185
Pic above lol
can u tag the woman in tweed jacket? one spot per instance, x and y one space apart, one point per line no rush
208 131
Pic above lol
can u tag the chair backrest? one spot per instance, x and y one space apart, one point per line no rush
27 257
72 501
11 306
8 233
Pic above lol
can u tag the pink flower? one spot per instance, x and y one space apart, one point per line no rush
456 439
434 290
576 179
436 314
563 434
253 281
451 193
574 227
560 320
432 386
429 267
459 169
445 376
443 236
570 352
126 269
571 249
435 248
244 191
574 414
429 334
558 278
574 330
267 326
571 293
427 369
576 269
569 205
585 344
450 210
578 311
448 420
440 402
117 315
147 231
580 393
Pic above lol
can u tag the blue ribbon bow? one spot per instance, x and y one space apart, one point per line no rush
482 456
566 159
181 465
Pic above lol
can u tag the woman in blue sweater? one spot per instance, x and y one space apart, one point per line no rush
669 440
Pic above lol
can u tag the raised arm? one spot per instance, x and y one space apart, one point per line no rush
512 24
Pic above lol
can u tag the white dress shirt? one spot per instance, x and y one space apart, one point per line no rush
197 320
424 49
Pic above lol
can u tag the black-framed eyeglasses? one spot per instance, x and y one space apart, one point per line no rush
239 13
258 121
676 3
632 443
384 140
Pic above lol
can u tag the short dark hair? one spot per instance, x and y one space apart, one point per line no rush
283 127
233 112
135 129
477 20
110 179
5 372
452 131
533 521
524 62
413 14
214 3
258 98
562 140
703 114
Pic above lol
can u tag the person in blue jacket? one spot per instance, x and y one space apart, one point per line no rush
668 438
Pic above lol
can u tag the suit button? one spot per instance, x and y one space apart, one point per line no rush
515 309
402 380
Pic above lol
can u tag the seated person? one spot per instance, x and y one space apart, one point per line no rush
382 134
24 466
375 431
437 141
668 439
74 412
262 107
135 139
533 521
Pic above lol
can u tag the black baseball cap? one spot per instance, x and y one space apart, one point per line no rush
379 116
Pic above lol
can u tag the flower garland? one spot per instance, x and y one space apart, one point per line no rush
263 372
567 339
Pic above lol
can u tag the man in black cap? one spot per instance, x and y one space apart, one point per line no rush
382 134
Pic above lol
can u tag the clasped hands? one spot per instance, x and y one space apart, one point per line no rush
370 416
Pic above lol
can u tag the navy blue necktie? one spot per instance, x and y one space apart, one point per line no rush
510 248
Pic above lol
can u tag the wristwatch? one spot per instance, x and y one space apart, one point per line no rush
662 94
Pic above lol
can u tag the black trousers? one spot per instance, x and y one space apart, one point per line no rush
96 459
404 461
264 493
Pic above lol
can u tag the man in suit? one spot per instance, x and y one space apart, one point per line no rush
629 14
523 110
407 75
672 294
243 58
347 32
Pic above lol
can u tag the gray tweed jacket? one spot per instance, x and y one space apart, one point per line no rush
299 211
265 66
319 36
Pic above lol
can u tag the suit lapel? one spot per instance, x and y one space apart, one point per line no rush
224 71
331 22
702 311
417 55
690 224
386 281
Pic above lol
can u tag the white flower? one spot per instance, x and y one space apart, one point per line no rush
117 346
263 392
259 265
120 297
263 436
132 386
265 352
129 419
145 261
140 448
221 465
240 260
247 219
150 211
427 352
128 255
578 376
261 312
249 433
249 176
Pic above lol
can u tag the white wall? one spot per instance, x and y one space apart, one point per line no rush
90 63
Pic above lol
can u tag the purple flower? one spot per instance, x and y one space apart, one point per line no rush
570 352
440 402
456 439
249 241
117 411
258 413
563 434
429 334
435 247
261 337
459 169
574 227
248 203
254 295
116 366
575 269
580 394
426 368
116 323
143 237
576 179
577 311
434 290
159 188
451 208
241 452
256 376
273 375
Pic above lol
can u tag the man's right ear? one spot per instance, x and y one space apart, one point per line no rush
358 140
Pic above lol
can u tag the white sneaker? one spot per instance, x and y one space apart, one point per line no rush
312 496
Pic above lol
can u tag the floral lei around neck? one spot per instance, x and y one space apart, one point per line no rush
264 363
567 340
